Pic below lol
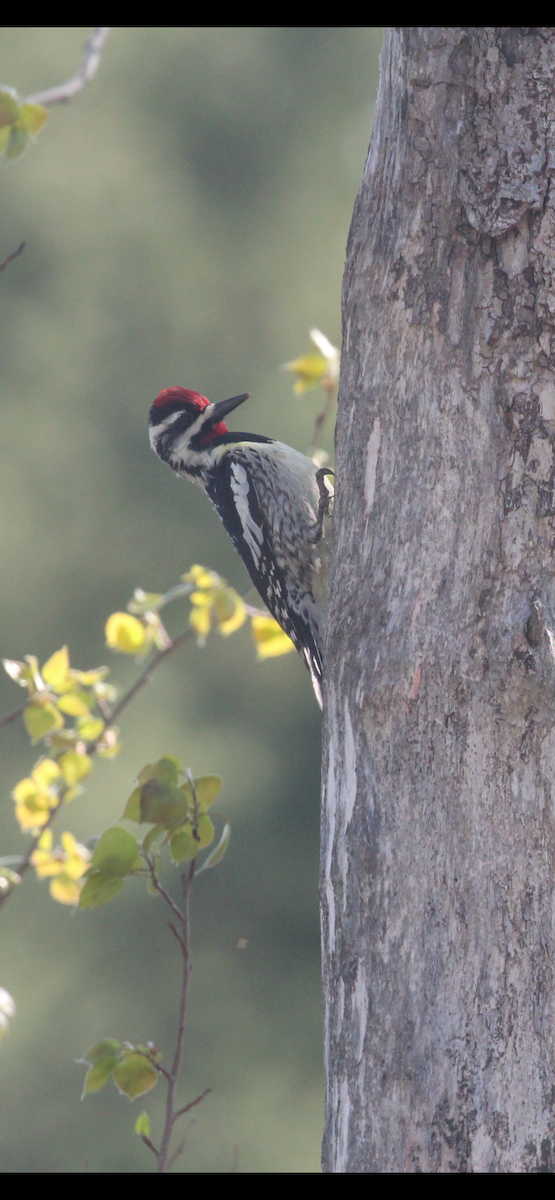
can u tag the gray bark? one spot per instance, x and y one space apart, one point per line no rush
438 863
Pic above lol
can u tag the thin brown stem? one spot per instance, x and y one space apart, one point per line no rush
181 1146
12 716
10 258
171 1115
176 935
192 1103
145 676
165 895
150 1144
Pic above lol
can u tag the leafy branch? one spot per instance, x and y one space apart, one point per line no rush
177 813
57 691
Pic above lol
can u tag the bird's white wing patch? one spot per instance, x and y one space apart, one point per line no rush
251 531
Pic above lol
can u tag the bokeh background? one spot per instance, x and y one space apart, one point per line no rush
186 219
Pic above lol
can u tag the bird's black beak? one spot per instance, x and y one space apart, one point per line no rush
221 410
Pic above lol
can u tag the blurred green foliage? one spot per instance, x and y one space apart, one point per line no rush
185 220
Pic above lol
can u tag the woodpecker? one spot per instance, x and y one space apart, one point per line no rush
273 502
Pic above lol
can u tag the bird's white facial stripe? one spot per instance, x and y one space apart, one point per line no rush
157 431
251 532
181 446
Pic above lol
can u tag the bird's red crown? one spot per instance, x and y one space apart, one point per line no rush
180 395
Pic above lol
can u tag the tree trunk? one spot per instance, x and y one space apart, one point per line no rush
439 826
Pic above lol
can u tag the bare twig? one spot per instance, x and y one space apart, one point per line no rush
150 1144
91 61
181 1111
165 895
176 935
12 716
171 1114
14 254
180 1148
145 675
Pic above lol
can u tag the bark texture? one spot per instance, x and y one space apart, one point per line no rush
438 864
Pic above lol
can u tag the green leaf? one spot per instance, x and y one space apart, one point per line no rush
41 719
100 1050
167 768
132 810
98 1075
98 889
135 1076
142 1125
152 836
207 787
218 852
115 853
162 804
184 845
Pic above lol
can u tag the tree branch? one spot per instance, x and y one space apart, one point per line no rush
14 254
181 1111
91 61
12 716
171 1114
145 675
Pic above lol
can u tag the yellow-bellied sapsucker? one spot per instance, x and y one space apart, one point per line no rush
272 500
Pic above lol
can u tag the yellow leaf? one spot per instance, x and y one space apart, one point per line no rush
67 863
90 728
77 857
33 117
45 863
199 618
65 890
309 369
312 369
74 766
55 671
201 599
35 797
201 577
90 678
46 773
269 637
229 611
32 807
40 719
74 705
125 633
